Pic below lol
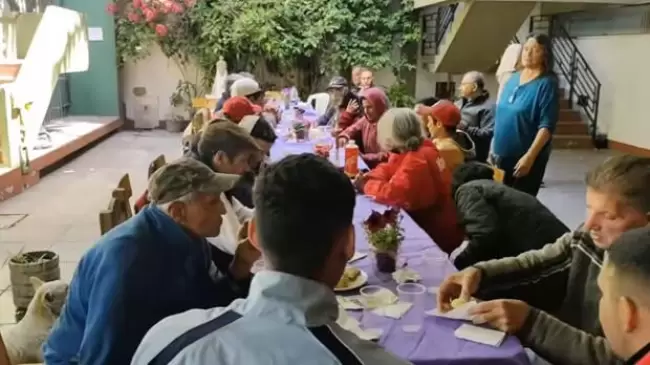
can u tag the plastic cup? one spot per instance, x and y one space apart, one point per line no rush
413 293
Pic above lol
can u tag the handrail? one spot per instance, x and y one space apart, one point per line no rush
442 18
59 45
584 86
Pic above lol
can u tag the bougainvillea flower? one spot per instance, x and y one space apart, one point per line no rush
375 222
133 17
112 8
161 30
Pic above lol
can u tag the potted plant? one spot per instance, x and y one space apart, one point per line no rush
41 264
300 131
385 235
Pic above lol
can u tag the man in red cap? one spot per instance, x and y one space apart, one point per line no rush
441 121
237 107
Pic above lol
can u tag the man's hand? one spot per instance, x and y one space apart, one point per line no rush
506 315
359 182
245 255
461 285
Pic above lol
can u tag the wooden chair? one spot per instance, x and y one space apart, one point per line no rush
156 164
119 208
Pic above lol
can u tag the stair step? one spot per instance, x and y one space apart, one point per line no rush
569 115
564 104
572 142
571 128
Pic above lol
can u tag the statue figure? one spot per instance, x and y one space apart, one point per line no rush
219 85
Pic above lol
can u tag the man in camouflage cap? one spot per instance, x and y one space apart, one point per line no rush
156 264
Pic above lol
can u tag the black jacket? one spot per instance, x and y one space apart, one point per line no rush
478 117
502 222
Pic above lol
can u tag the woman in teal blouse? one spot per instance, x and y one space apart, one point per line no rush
526 116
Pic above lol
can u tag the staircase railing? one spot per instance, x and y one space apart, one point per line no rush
584 86
59 45
434 27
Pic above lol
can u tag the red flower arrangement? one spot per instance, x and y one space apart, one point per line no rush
385 235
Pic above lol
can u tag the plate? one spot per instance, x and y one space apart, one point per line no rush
360 281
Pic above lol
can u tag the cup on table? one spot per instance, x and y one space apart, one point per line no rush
413 293
436 264
372 296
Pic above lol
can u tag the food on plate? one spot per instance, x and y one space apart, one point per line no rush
457 302
349 276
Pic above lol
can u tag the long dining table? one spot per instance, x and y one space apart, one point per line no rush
435 343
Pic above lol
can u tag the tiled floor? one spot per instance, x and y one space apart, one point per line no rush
62 209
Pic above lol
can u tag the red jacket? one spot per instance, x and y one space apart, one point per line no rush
419 183
346 119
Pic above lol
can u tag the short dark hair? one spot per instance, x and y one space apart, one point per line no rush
264 131
626 176
302 204
226 137
630 255
470 171
430 101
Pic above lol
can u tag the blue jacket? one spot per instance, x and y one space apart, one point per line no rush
142 271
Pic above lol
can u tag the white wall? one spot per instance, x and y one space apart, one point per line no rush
621 63
159 76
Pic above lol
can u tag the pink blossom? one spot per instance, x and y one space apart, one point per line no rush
161 30
137 4
176 8
133 17
112 8
149 14
167 6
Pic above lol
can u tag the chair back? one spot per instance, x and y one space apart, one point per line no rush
319 101
156 164
119 208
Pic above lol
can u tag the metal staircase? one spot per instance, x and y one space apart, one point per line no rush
580 83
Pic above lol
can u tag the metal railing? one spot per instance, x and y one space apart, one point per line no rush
434 27
570 64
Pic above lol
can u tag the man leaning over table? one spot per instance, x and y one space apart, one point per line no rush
618 200
303 225
154 265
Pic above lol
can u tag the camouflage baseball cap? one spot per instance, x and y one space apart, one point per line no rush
185 176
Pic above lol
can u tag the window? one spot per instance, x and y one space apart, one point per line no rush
612 21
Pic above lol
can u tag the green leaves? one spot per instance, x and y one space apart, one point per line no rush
321 36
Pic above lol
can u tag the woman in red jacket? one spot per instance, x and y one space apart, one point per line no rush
415 178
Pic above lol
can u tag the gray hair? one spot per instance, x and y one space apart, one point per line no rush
400 128
478 78
185 199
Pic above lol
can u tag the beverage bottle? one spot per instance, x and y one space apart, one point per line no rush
351 164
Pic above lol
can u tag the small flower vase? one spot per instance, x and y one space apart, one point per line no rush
300 131
386 261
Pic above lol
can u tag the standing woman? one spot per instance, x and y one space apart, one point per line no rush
526 116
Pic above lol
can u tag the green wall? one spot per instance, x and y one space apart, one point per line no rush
95 92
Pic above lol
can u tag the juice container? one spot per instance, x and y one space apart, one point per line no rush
351 166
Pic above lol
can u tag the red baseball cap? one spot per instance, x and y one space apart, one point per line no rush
237 107
443 111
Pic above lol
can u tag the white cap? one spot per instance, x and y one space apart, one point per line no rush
244 87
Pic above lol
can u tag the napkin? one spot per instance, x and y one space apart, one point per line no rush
350 303
461 313
482 335
357 256
350 324
395 311
406 275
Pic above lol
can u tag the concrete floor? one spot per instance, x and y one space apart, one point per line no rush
61 212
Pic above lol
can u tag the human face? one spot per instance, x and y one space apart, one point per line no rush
201 215
239 165
366 80
618 315
336 93
532 54
608 217
467 87
264 146
356 76
370 111
434 127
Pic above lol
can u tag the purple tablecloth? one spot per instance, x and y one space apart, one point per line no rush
435 343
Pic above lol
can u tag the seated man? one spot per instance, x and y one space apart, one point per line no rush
249 88
290 315
495 217
625 303
618 200
152 266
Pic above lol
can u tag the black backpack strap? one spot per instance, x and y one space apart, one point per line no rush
186 339
325 336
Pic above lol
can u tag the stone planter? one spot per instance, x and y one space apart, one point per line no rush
41 264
